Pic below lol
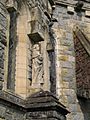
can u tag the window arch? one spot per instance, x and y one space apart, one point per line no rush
82 52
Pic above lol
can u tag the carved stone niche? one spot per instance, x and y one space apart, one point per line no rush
36 25
11 5
37 31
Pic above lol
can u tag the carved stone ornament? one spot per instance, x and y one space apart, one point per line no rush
37 65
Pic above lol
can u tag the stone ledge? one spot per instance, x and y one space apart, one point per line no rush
45 99
12 98
42 100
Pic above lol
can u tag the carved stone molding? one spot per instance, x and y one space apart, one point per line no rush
41 105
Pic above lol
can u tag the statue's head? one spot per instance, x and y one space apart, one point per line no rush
36 47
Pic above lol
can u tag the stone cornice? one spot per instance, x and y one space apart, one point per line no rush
38 101
12 98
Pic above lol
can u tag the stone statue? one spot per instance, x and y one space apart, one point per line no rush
37 65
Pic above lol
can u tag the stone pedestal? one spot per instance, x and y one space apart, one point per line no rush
40 106
44 106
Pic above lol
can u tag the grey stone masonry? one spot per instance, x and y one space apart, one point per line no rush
39 106
68 19
3 41
48 24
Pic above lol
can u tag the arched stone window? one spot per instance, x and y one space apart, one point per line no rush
82 52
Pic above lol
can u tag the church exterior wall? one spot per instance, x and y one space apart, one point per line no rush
63 63
65 60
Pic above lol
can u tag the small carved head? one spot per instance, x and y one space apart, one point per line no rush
37 47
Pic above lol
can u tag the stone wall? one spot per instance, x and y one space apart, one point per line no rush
82 66
65 58
9 107
15 54
40 106
25 25
3 42
10 113
62 59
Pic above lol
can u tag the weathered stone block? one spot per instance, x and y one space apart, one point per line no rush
37 31
41 106
36 14
87 13
50 47
70 10
2 111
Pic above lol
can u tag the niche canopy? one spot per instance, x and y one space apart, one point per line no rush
36 24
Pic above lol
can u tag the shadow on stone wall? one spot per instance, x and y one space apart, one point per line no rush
52 67
85 107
